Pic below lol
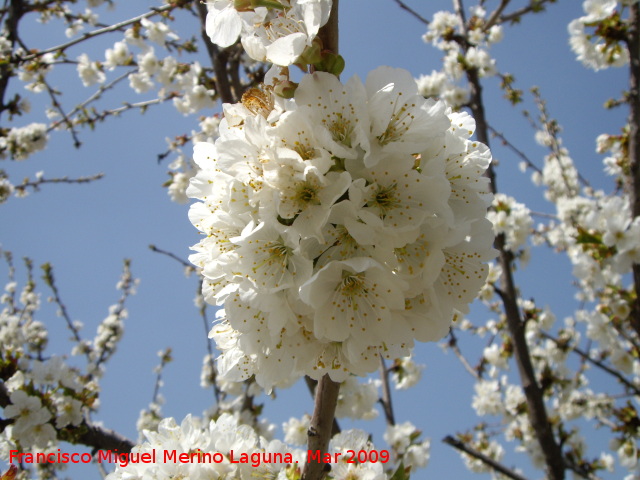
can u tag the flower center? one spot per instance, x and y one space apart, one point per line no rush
258 101
385 199
352 285
398 125
341 130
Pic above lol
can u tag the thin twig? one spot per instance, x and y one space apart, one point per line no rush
459 8
453 345
184 263
514 149
50 281
100 31
165 358
36 184
387 405
212 365
93 97
585 356
490 462
493 18
130 106
534 6
404 6
64 117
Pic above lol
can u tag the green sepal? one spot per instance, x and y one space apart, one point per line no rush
331 63
312 54
401 473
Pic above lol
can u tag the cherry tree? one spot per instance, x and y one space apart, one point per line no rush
341 221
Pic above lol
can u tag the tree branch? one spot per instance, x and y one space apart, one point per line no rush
311 385
495 15
633 184
100 31
327 390
534 6
387 405
15 12
329 33
404 6
319 432
537 412
490 462
585 356
219 59
514 149
36 184
453 345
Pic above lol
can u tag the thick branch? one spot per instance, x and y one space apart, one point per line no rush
319 432
633 44
329 33
15 12
100 438
322 421
536 409
311 385
219 59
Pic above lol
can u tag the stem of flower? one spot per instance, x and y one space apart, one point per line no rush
320 428
329 33
327 390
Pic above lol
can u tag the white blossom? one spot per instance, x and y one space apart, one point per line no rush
327 234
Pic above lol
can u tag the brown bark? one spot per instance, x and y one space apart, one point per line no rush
319 432
633 44
15 12
322 421
329 33
219 59
551 450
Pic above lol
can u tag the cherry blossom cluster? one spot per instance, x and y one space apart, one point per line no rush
593 36
230 440
513 220
45 398
444 32
22 142
340 225
271 31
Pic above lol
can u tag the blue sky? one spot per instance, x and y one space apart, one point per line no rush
85 231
